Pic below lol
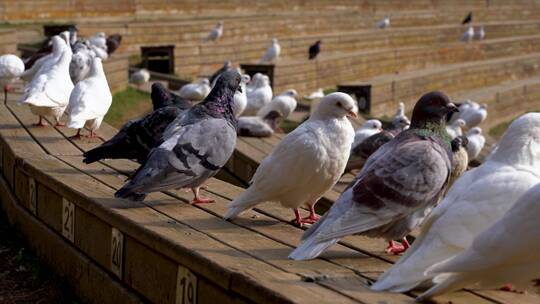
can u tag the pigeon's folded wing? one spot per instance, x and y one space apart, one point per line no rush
195 151
401 181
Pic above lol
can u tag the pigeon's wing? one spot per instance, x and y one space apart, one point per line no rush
195 152
405 178
148 131
180 102
93 100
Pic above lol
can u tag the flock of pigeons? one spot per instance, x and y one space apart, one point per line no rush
413 174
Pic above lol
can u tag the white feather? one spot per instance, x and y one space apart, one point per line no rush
272 53
285 103
258 94
196 91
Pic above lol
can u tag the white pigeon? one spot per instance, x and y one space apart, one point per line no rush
285 103
454 128
506 252
256 126
216 32
474 116
306 163
196 91
240 97
11 68
253 82
99 40
90 100
480 34
384 23
139 77
48 92
476 142
272 53
368 128
468 34
476 200
259 95
318 94
101 53
58 47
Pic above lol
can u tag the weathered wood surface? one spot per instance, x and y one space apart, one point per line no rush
61 204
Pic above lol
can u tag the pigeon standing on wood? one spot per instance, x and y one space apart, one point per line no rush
467 19
48 93
468 34
476 142
89 100
113 43
140 77
259 95
47 61
476 200
314 50
367 129
11 68
285 103
216 32
255 126
306 163
196 91
384 23
505 252
397 186
195 146
474 115
272 53
240 97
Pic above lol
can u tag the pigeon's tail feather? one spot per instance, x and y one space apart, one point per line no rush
311 248
445 283
112 149
128 193
242 203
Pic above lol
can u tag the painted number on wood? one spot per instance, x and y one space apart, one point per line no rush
117 252
68 220
32 196
186 286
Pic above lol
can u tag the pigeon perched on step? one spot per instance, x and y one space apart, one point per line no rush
259 93
306 163
48 92
367 129
467 19
195 146
240 97
477 199
113 43
90 100
285 103
162 97
11 68
468 35
506 252
255 126
384 23
272 53
216 32
474 115
140 77
476 142
396 188
314 50
195 91
454 128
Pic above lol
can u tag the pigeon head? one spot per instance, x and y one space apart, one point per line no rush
290 92
459 123
431 110
220 101
65 35
401 122
475 131
336 105
372 124
245 78
318 42
520 144
58 43
458 142
159 94
273 119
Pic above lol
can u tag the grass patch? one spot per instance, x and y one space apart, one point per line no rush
289 125
126 105
497 131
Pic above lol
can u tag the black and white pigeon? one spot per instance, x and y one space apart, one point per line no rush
315 49
467 19
113 42
195 146
162 97
138 137
398 185
227 66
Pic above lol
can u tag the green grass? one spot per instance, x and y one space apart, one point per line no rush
126 105
498 131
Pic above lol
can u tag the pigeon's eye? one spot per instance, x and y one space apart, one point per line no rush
339 104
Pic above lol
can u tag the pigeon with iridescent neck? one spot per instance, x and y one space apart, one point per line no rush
397 186
195 146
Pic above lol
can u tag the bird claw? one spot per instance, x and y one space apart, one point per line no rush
311 219
298 223
197 201
395 248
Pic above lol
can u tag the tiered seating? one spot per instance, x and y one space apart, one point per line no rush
8 41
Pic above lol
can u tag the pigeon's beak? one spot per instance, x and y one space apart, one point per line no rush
352 113
452 107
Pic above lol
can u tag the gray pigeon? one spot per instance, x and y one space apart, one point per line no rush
398 185
195 146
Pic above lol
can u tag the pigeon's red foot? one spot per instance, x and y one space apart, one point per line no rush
202 200
204 187
76 136
298 221
395 248
40 122
92 134
60 124
311 219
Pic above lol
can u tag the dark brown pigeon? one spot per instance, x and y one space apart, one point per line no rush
397 187
113 42
137 138
314 50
